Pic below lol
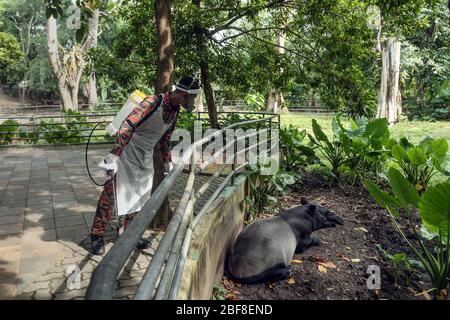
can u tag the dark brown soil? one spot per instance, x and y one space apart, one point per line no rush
350 248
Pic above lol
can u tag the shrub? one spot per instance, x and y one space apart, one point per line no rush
360 147
434 211
294 153
265 189
421 162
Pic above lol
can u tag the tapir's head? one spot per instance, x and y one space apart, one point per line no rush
321 217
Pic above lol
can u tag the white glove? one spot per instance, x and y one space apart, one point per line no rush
167 167
109 164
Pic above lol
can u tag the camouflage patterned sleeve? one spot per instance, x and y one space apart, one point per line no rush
131 122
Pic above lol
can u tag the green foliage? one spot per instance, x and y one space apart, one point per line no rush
295 154
219 292
9 130
421 162
401 265
425 61
10 59
254 101
360 147
434 210
265 189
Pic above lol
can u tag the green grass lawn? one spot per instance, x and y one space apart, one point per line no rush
414 129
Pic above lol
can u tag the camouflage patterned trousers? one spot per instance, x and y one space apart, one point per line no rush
104 210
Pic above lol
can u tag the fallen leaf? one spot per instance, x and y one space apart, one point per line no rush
362 229
270 285
322 262
329 265
356 260
348 248
296 261
322 269
291 281
230 296
341 255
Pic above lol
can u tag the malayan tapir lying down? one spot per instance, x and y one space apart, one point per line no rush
264 249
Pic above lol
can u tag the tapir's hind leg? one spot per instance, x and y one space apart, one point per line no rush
273 274
279 274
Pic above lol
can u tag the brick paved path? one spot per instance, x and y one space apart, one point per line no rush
47 204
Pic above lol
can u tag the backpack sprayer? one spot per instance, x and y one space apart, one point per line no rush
133 101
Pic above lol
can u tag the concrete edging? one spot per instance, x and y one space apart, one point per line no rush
215 233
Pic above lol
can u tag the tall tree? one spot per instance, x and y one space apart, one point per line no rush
204 68
23 17
165 67
68 64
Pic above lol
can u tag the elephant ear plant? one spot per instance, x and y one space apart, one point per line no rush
421 162
295 154
359 147
434 211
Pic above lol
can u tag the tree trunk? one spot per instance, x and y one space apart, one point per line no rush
93 34
389 98
67 73
209 95
164 46
276 100
163 84
204 71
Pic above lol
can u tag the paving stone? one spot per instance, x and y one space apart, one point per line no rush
11 210
36 286
86 276
65 205
73 260
71 232
124 292
8 202
130 282
14 219
37 265
24 296
70 295
11 240
69 221
38 200
58 285
43 224
51 276
11 229
43 294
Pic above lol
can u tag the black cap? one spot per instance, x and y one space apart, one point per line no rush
189 83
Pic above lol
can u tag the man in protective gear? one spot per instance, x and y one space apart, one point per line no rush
130 163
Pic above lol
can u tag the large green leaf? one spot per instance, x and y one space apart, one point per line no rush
403 190
318 133
381 197
434 208
377 128
440 147
399 153
417 156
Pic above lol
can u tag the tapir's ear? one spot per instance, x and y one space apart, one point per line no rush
303 201
311 208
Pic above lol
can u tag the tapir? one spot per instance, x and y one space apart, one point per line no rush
263 249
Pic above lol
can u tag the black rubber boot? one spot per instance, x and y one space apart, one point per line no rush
97 245
143 244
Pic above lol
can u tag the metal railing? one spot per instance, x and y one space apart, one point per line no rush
168 261
66 129
54 129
